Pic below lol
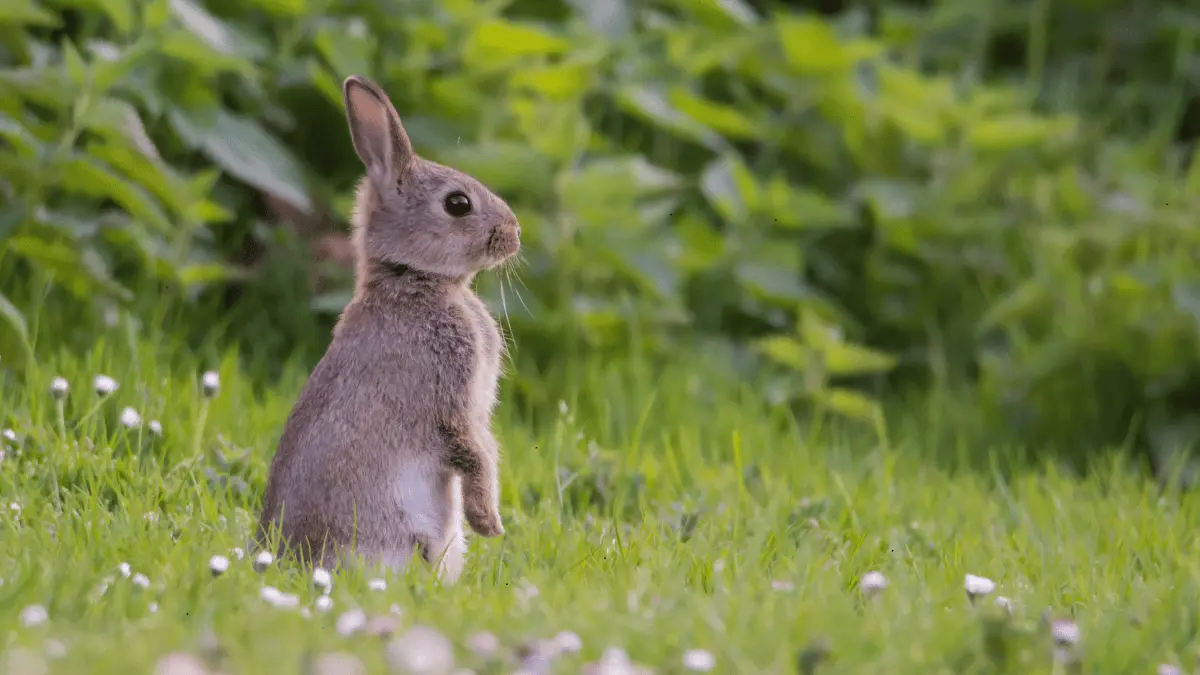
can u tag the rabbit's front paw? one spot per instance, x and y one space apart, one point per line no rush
484 520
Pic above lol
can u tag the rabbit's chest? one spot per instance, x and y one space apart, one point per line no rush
488 351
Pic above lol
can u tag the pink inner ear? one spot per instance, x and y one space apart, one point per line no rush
372 119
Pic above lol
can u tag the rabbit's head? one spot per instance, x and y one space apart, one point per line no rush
415 212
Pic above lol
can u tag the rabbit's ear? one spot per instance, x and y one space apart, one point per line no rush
379 137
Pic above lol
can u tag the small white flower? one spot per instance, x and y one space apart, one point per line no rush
9 435
1066 633
150 517
130 418
125 570
377 585
152 607
210 383
322 580
699 660
1005 604
55 649
270 594
351 621
218 564
421 649
104 385
395 609
155 427
1169 669
483 643
566 641
562 407
356 27
278 599
782 586
238 553
15 507
263 560
978 586
34 615
873 582
59 388
141 580
324 603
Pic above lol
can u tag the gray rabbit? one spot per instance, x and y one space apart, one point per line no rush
390 443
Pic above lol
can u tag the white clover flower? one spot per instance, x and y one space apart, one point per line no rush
130 418
270 594
1066 633
152 608
104 385
125 570
566 641
699 660
421 649
155 427
377 585
873 582
55 649
141 580
483 643
15 507
9 435
562 407
210 383
978 586
218 564
263 560
238 553
351 621
59 388
1169 669
1005 604
34 615
321 579
324 603
782 586
278 599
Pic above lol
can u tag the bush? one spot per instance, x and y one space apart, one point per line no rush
684 170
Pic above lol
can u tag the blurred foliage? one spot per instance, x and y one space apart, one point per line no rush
851 195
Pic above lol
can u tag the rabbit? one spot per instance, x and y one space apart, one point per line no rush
390 443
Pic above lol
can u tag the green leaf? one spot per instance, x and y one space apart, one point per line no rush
722 118
1017 131
247 152
25 13
1028 298
497 42
219 36
652 106
344 49
89 176
120 12
811 45
721 13
506 167
841 358
77 69
729 187
849 404
798 208
787 351
19 137
15 320
612 19
287 8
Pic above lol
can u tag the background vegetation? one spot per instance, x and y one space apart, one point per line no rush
996 198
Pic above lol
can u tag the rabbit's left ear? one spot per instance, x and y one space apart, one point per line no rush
375 129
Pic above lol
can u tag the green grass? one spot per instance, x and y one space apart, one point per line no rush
593 502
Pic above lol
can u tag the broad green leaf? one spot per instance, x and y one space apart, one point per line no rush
208 273
286 8
1028 298
89 176
25 13
496 42
506 167
346 51
44 86
812 46
729 187
18 136
219 36
798 208
120 12
652 106
721 13
1017 131
841 358
246 151
76 68
786 350
778 283
722 118
560 81
15 320
850 404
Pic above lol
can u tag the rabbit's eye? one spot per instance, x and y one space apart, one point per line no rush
457 204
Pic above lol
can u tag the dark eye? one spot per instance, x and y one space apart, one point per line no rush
457 204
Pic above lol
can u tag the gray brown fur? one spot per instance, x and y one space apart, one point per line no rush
390 443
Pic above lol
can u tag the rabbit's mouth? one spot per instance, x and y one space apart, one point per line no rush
504 242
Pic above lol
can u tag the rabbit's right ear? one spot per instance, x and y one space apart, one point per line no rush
379 137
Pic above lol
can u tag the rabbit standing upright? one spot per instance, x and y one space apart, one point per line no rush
390 442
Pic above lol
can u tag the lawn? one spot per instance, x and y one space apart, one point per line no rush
656 511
